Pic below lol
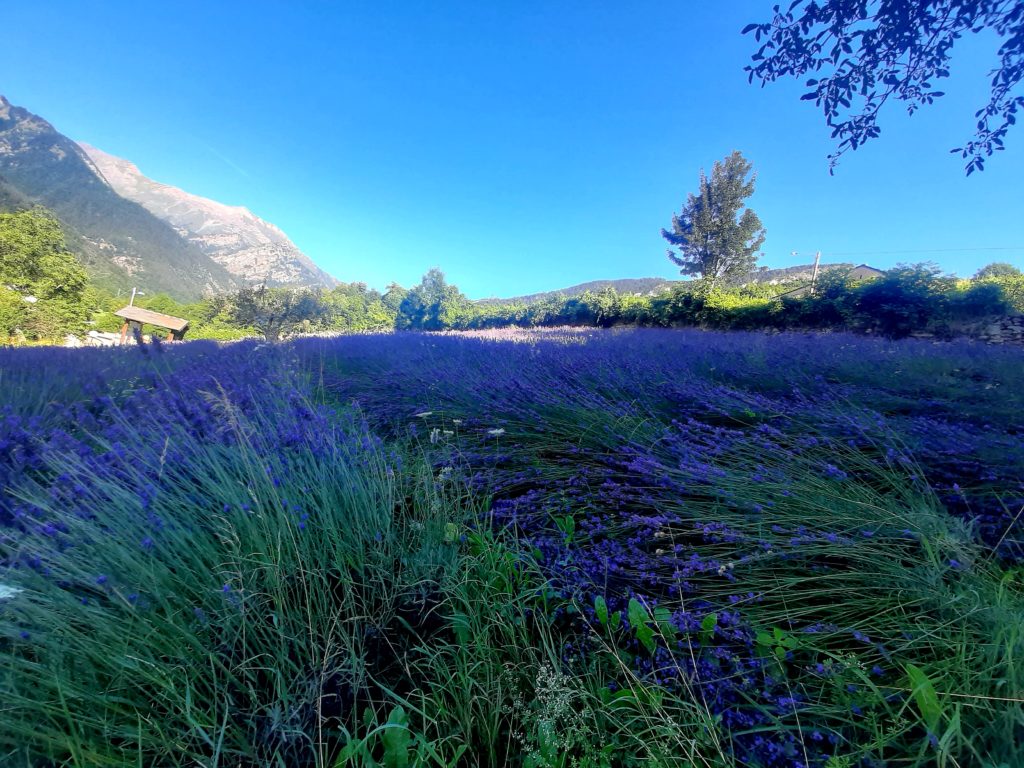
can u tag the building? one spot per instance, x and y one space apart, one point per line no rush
135 317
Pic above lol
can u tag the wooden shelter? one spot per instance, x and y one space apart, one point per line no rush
134 318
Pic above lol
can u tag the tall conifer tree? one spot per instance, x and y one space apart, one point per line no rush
717 236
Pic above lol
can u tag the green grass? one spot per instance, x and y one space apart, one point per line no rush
350 605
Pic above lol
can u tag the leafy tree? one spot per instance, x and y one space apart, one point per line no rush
996 269
432 305
356 307
275 312
864 53
1013 290
393 297
13 312
717 236
43 284
977 299
907 298
607 306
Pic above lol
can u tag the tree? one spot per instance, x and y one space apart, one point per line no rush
872 51
996 269
432 305
904 300
716 235
275 312
356 307
43 284
393 297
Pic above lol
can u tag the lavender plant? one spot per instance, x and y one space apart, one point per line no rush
556 548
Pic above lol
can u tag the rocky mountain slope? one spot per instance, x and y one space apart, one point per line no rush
120 242
248 247
131 231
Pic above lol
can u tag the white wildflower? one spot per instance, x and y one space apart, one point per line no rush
424 414
496 432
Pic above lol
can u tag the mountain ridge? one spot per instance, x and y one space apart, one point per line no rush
118 241
123 243
247 246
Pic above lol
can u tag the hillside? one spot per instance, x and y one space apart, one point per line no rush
129 230
642 285
248 247
119 239
653 285
801 273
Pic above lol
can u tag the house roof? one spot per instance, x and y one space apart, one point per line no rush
863 270
140 315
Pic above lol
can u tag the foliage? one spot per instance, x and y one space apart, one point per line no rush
909 299
432 305
355 307
42 285
1012 287
868 53
716 235
393 296
275 312
997 269
903 300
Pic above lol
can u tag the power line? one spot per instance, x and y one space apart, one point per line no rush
925 250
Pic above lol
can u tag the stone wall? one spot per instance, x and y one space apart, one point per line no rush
1008 330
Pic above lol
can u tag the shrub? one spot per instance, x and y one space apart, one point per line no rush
906 299
977 300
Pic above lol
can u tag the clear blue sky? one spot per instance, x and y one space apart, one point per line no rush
519 146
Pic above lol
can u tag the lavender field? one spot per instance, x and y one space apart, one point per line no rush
559 548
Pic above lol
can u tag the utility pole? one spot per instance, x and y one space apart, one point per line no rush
814 274
131 302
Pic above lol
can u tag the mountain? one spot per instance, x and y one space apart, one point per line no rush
248 247
120 242
131 231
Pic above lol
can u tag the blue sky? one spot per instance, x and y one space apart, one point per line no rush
519 146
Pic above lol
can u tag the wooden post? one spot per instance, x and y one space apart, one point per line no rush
814 274
124 332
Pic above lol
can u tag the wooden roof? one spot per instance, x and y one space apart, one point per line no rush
140 315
